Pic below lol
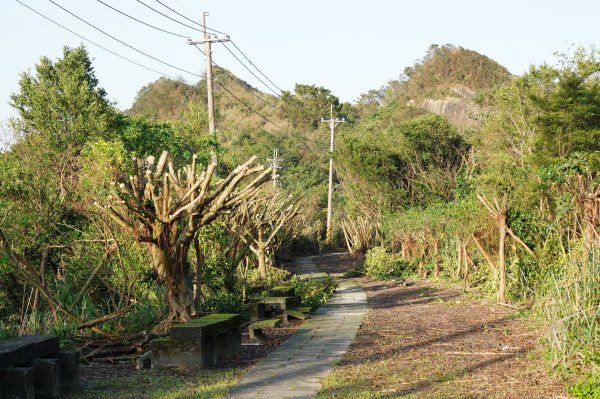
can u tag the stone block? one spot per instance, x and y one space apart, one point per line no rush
287 290
282 302
68 363
22 350
46 378
204 327
17 383
168 353
228 344
256 311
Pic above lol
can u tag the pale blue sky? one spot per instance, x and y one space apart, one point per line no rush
347 46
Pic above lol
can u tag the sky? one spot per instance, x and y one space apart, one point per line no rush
347 46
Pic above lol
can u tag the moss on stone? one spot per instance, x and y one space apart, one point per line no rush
257 325
209 319
163 343
306 309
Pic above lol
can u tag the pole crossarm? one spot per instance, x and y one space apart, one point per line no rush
207 42
211 39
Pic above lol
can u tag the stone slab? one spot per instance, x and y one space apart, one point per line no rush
204 327
168 354
283 302
22 350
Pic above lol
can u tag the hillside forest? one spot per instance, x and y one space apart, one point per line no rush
116 222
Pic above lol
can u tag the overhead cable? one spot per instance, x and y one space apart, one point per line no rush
122 42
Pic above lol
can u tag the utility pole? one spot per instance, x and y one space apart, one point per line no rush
332 122
207 41
275 166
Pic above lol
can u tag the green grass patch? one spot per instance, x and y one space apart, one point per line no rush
154 384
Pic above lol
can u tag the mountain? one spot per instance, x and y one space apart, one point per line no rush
446 82
168 100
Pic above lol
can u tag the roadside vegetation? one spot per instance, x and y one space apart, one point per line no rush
116 223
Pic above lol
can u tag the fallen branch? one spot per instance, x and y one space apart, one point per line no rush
105 318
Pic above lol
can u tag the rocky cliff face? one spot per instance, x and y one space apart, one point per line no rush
454 107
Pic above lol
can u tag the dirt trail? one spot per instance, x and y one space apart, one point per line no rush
430 340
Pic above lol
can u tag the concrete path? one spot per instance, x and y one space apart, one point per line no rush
295 368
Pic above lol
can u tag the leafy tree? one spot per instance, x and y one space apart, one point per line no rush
166 100
308 104
63 102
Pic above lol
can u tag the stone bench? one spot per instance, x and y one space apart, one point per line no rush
33 366
255 329
282 303
201 342
283 290
295 314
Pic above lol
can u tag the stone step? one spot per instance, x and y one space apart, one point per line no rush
22 350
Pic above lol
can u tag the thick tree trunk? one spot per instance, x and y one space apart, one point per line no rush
261 254
174 271
198 273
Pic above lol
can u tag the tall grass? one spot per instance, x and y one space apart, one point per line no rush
571 302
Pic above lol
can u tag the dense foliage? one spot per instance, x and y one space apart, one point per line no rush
509 205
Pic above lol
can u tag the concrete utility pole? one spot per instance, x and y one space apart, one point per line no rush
207 41
275 166
332 122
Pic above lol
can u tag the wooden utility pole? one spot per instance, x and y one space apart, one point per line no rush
332 122
207 41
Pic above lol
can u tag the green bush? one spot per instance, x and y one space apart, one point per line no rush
314 292
224 302
382 265
588 388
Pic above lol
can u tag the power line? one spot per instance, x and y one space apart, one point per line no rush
154 70
168 17
301 108
249 70
122 42
246 105
251 63
189 19
96 44
235 79
140 21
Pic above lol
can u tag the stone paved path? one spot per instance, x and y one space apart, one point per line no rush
295 368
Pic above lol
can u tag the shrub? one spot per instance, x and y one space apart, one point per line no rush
275 277
588 388
382 265
224 302
314 292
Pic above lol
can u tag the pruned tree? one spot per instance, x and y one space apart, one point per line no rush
360 233
267 216
498 210
164 208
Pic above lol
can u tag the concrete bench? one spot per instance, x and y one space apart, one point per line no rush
33 366
282 303
201 342
296 314
255 329
283 290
